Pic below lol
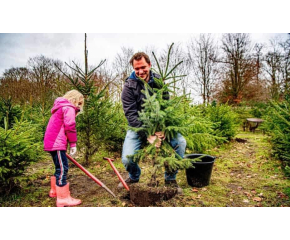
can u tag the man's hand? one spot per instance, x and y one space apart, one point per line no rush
152 139
160 135
73 151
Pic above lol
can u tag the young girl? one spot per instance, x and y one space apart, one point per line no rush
60 131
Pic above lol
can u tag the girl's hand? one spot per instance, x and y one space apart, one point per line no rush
73 151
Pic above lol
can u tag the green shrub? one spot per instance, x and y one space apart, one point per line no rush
249 110
38 116
277 125
199 136
224 120
18 149
8 111
243 112
107 125
258 110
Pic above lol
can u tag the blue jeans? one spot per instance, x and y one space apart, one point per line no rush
132 143
61 167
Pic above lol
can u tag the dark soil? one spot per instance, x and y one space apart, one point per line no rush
144 196
240 140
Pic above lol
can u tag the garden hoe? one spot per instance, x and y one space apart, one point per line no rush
116 171
90 175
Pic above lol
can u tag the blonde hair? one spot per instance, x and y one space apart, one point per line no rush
75 97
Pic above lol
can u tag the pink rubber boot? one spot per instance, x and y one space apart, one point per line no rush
52 192
64 199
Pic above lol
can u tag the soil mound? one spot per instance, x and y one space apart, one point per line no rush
144 196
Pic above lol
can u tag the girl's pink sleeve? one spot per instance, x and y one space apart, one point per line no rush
69 119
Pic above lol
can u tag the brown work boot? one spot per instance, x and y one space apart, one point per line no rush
129 181
173 183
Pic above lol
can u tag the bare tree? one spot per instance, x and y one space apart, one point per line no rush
256 90
258 55
202 54
239 65
285 69
44 75
273 68
16 74
105 77
122 67
15 84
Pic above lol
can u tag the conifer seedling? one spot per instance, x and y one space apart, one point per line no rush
84 83
160 114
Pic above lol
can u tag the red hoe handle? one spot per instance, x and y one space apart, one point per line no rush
116 171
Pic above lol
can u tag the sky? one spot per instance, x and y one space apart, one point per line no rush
17 48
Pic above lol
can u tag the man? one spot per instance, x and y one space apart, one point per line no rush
132 100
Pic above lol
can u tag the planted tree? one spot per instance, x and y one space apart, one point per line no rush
277 125
201 134
160 114
8 111
19 147
224 119
84 82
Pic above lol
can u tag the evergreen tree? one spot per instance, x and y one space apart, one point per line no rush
277 125
160 114
19 147
84 83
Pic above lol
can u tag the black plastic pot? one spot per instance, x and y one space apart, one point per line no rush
200 175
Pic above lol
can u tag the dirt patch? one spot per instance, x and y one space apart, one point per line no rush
240 140
144 196
233 186
81 186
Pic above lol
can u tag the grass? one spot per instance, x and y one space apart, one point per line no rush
244 175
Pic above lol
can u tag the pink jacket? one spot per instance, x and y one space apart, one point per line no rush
61 127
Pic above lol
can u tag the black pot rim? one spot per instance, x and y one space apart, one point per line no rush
198 155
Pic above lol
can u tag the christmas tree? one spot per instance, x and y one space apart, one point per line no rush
84 82
162 114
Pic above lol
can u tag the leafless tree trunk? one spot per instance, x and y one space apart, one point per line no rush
273 68
286 64
202 54
258 55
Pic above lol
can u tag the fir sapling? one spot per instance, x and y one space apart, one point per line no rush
162 114
85 84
